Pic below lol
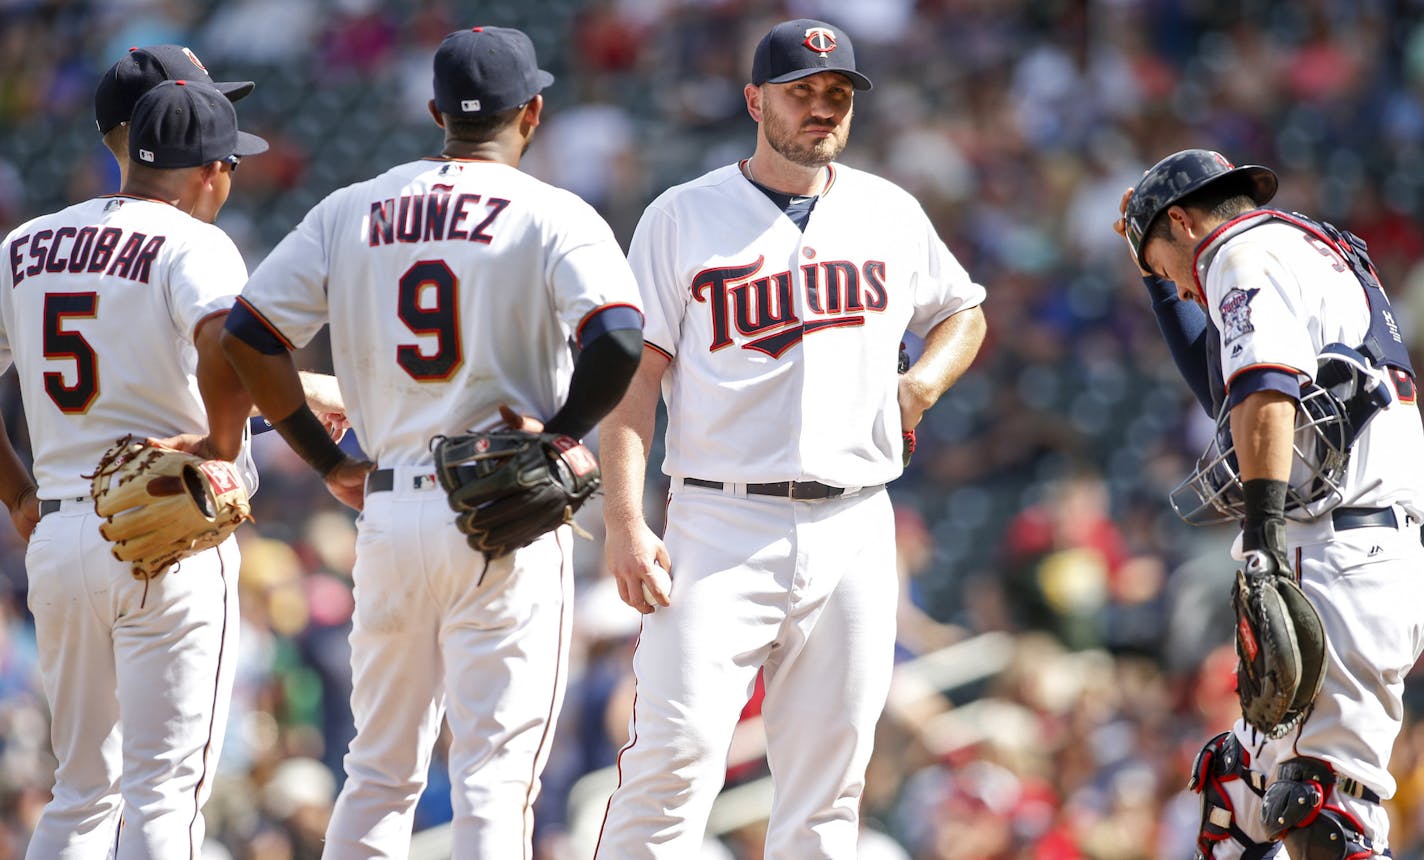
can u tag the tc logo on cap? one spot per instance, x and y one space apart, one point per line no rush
470 105
820 40
145 154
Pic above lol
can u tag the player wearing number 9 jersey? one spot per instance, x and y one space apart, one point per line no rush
452 286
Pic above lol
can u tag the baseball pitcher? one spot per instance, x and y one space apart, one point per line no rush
777 290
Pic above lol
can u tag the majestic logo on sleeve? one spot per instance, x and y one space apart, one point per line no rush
1236 314
763 309
820 40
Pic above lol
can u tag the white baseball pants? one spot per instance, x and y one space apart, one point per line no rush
436 634
1367 584
138 681
805 591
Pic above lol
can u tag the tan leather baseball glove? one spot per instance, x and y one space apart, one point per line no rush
161 505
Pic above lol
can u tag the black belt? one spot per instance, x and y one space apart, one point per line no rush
52 506
1363 518
801 491
384 480
381 481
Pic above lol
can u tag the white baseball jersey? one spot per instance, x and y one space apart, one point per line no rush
734 289
423 273
98 306
1279 295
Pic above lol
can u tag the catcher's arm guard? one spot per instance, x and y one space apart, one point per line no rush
509 487
161 505
1280 646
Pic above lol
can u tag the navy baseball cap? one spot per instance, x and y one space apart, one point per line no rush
804 47
485 70
1181 174
187 124
142 68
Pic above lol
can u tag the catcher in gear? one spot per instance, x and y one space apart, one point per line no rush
138 674
1280 326
462 327
161 505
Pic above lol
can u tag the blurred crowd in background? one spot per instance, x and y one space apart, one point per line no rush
1033 518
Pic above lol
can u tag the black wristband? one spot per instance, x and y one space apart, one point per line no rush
305 433
1265 522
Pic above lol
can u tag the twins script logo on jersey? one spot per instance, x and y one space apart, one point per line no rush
1236 314
820 40
837 293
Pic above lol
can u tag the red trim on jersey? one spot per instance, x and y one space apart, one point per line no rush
455 158
266 323
198 326
213 707
659 350
551 716
1207 241
830 177
578 331
618 762
1264 366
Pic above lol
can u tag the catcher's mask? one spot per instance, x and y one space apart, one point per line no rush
1331 414
1180 174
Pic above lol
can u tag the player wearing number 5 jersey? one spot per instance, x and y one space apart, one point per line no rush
111 312
452 286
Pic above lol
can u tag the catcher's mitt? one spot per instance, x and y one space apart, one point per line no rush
511 486
1280 646
160 505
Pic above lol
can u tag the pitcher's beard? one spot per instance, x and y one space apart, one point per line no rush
818 154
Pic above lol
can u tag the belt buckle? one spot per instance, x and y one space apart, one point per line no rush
791 490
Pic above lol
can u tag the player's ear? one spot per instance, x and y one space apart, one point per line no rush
752 92
533 111
435 112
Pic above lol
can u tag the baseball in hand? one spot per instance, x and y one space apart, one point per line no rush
664 583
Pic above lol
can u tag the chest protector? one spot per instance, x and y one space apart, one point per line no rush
1334 409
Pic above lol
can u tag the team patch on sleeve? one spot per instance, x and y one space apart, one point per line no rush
1236 314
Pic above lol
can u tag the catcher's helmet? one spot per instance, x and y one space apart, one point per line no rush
1178 175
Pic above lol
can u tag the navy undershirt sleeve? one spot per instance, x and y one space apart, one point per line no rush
1183 326
608 319
248 328
1255 379
612 348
